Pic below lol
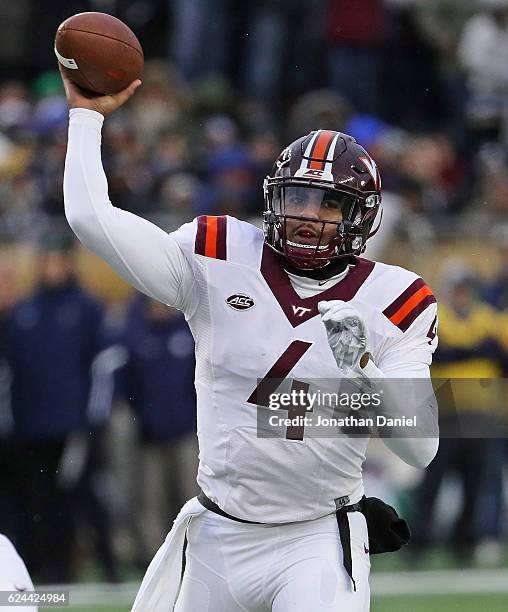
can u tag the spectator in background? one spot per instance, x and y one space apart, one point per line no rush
432 161
468 349
403 197
322 109
441 22
7 468
496 294
170 155
158 380
52 339
7 298
489 205
483 53
496 291
263 147
181 196
15 109
283 49
411 97
132 180
229 169
265 46
357 32
163 103
199 40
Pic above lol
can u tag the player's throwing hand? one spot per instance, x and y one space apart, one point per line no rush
347 332
105 105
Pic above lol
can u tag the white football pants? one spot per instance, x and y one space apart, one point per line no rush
296 567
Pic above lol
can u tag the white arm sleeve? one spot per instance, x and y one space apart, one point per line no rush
142 253
409 358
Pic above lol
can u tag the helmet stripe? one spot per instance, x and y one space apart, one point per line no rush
331 153
319 152
308 150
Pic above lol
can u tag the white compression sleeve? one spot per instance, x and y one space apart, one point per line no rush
142 253
417 451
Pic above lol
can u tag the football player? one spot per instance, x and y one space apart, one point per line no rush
278 525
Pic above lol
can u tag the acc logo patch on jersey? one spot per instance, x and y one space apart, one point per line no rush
240 301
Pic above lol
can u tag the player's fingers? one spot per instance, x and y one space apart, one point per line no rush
62 73
323 306
326 305
72 91
125 94
362 326
333 314
326 316
346 311
66 81
339 312
332 317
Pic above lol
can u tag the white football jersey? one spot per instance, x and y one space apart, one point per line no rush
249 323
252 321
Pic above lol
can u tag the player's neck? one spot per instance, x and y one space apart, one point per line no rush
333 268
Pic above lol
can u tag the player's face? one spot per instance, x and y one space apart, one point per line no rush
305 209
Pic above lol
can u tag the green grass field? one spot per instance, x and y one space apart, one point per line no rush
434 603
441 603
437 590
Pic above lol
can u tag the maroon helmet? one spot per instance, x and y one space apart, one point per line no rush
323 178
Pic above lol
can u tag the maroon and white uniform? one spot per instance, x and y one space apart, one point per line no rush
281 334
251 319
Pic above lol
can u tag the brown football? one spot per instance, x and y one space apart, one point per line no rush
99 52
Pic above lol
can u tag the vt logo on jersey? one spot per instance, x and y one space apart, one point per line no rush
239 301
299 311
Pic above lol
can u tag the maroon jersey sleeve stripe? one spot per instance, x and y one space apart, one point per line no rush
222 224
199 246
403 298
417 310
211 237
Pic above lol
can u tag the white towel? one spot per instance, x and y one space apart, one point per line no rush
160 586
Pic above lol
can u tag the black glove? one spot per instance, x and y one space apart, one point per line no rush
387 531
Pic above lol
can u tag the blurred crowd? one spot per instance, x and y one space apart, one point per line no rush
61 367
422 84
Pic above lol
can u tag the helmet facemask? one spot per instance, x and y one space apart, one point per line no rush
312 224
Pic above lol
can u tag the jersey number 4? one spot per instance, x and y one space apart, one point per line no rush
273 379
